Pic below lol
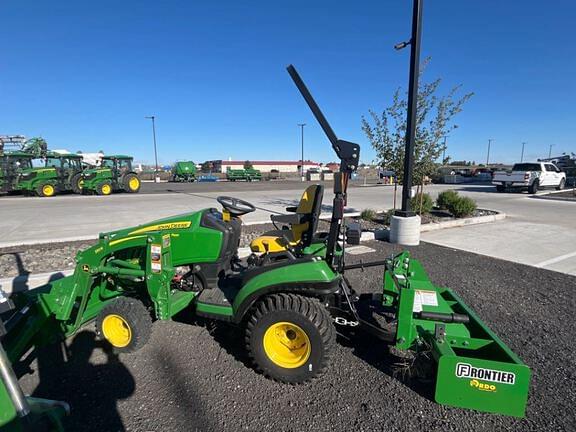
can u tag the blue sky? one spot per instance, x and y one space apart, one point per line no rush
84 74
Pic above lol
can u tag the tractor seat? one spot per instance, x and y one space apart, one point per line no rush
301 223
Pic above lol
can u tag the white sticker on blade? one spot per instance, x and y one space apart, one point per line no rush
424 298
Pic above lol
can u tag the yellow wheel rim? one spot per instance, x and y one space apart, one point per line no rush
48 190
116 331
287 345
106 189
134 183
80 184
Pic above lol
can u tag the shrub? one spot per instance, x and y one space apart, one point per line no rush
463 207
368 214
446 199
427 203
386 216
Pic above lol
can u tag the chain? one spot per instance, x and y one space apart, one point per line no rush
343 321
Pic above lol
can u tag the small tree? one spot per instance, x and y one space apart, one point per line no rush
387 131
248 165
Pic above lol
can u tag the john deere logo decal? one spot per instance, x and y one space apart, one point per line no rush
465 370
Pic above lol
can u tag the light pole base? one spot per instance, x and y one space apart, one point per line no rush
405 230
157 179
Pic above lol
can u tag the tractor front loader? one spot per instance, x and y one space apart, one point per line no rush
289 300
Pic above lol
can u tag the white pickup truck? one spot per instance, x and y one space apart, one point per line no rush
531 176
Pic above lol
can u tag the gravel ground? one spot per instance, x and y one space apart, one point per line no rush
190 379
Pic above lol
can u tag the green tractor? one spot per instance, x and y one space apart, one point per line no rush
61 172
114 174
11 165
289 301
57 172
184 172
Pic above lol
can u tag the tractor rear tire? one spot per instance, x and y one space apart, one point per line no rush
131 183
104 188
76 183
125 324
290 337
46 190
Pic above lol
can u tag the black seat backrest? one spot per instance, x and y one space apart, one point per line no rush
314 216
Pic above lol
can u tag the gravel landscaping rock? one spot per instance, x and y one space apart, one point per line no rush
196 378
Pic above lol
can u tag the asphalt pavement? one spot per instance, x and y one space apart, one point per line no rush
190 378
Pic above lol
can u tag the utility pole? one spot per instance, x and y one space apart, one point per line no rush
488 154
522 155
444 149
550 151
153 118
302 142
414 43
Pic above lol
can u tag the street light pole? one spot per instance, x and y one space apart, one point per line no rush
414 43
444 149
522 155
550 151
302 142
153 118
488 154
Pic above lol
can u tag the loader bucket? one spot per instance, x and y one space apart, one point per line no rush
475 369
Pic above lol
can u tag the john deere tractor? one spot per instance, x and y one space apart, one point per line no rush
114 174
12 162
289 297
59 172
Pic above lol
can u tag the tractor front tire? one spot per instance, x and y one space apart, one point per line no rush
290 337
125 324
131 183
104 188
46 190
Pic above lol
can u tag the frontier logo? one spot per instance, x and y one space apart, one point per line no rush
466 370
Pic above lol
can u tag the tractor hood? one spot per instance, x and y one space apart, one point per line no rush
174 225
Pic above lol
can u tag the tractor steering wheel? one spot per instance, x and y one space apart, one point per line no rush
235 206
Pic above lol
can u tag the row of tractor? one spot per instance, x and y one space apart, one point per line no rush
32 169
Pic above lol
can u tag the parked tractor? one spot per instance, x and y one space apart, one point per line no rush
59 172
11 165
248 175
114 174
184 172
289 297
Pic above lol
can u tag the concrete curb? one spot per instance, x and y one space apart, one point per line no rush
434 226
31 281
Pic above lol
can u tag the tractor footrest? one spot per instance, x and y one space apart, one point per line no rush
215 303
